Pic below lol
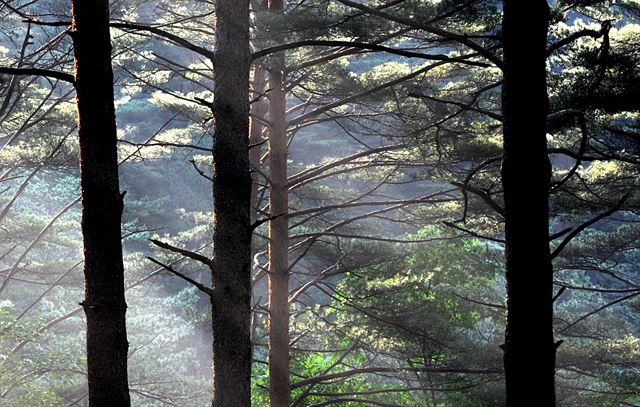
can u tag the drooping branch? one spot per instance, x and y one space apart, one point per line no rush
164 34
200 172
606 26
191 281
187 253
582 124
472 233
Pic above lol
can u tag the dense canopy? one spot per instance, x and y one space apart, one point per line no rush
319 203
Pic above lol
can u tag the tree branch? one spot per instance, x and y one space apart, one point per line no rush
187 253
368 46
462 105
170 269
472 233
269 218
165 34
369 370
586 224
138 27
63 76
462 39
606 26
482 194
595 311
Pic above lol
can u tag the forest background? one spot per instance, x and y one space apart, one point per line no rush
390 176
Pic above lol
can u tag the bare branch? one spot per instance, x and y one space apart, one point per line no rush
187 253
586 224
472 233
606 26
269 218
49 73
595 311
170 269
366 46
374 370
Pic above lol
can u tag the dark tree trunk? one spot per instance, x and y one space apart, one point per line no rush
279 385
231 275
529 349
104 303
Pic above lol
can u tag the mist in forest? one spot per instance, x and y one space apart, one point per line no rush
319 203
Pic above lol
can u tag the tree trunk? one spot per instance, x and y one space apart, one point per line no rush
529 349
104 303
279 386
231 275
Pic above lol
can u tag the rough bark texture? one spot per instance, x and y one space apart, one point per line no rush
104 303
231 275
529 349
279 385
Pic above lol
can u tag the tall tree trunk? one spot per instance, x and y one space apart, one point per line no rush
279 385
529 349
231 274
104 303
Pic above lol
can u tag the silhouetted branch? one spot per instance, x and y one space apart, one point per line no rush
560 291
193 162
606 26
482 194
595 311
462 105
262 221
462 39
472 233
187 253
366 46
586 224
170 269
63 76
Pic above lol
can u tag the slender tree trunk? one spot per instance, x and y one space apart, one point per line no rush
529 349
104 303
231 274
279 385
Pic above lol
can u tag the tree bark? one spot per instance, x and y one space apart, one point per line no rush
102 205
279 382
529 349
279 387
231 275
